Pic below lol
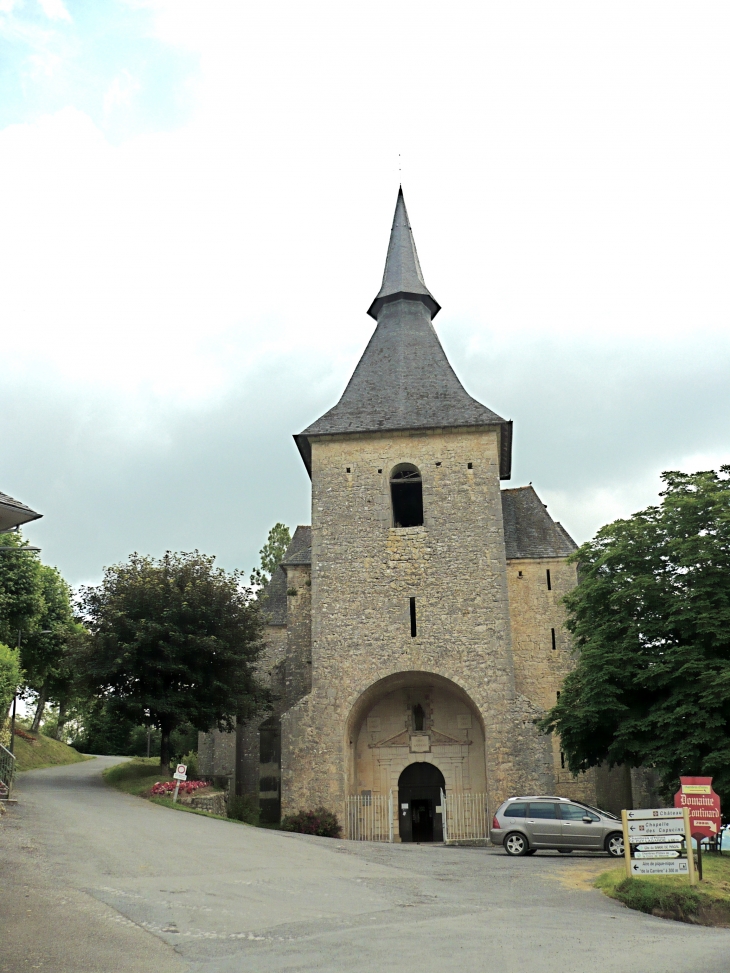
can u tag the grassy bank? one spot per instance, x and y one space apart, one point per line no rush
672 897
42 751
137 776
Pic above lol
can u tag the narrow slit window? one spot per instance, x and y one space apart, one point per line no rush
414 630
562 760
470 466
552 636
419 718
549 582
406 494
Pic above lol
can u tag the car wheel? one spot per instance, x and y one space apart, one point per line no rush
615 845
516 844
565 851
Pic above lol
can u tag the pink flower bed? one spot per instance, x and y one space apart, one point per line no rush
161 788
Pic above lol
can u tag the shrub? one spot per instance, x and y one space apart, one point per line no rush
320 821
244 809
191 762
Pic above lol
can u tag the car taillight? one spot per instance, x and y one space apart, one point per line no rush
495 822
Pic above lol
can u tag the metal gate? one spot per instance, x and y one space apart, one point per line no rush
465 817
7 772
370 817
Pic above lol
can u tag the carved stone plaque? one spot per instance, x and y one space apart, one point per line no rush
421 744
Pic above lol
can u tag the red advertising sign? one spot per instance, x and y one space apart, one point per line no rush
696 793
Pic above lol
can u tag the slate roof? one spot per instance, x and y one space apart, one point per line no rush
300 549
13 513
273 597
402 277
404 379
529 530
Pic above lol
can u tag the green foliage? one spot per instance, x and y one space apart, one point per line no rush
672 897
11 677
650 618
41 751
135 776
174 641
20 591
272 554
645 897
320 821
244 809
36 602
191 762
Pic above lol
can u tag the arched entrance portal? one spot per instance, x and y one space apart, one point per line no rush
419 803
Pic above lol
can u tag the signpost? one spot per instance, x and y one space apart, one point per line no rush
181 773
658 834
697 795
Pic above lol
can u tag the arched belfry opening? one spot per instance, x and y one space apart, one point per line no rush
419 803
406 495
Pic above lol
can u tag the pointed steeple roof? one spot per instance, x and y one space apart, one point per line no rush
402 277
404 379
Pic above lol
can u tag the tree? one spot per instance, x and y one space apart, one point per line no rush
36 612
650 618
272 554
47 648
11 676
173 640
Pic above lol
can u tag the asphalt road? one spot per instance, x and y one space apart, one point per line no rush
92 881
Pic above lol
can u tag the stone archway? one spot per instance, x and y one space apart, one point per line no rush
415 718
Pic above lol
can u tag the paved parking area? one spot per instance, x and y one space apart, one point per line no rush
91 880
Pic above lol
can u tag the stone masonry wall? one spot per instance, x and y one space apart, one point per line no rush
364 572
536 612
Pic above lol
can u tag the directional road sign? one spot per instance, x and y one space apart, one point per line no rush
651 827
656 854
653 813
663 846
679 866
643 837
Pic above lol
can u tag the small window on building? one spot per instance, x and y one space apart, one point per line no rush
547 572
406 492
419 717
562 760
470 466
414 627
552 636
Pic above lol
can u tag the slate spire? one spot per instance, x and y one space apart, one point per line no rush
404 380
403 277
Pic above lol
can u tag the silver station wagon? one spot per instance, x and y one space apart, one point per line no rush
522 825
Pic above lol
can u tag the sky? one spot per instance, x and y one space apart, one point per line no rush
195 212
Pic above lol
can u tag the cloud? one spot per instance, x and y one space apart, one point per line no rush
198 209
55 10
121 92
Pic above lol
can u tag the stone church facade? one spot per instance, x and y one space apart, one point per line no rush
415 630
